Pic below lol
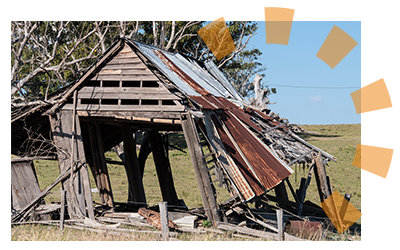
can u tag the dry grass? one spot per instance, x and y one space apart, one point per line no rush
52 233
338 140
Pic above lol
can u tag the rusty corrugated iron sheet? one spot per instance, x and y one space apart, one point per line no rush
260 168
238 159
185 77
203 102
268 168
223 103
239 183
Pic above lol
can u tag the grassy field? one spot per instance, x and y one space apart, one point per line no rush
338 140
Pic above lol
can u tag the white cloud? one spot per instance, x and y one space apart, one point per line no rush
317 98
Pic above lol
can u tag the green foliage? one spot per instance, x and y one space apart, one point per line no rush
207 223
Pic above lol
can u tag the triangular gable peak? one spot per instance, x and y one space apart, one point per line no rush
122 83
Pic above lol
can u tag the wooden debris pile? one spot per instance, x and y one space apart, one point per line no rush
154 219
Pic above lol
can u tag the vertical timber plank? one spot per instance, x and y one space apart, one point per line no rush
163 169
99 164
61 128
281 226
85 181
320 177
132 166
200 168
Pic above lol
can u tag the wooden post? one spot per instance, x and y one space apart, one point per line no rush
99 167
62 212
320 177
164 220
280 192
200 168
132 166
281 226
163 169
68 139
144 152
303 190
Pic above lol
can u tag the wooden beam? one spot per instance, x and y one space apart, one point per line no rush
66 143
280 191
132 167
85 189
303 190
163 169
200 168
99 167
320 177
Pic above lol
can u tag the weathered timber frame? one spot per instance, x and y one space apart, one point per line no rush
126 91
70 152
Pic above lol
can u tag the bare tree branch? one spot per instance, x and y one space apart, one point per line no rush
173 25
182 31
44 62
237 50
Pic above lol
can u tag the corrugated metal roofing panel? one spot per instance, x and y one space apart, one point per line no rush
194 73
213 69
237 158
269 169
203 73
203 102
148 51
182 74
232 171
191 69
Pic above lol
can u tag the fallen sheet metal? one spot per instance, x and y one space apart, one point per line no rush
203 102
226 161
238 159
269 169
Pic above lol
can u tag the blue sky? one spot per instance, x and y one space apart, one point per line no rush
296 64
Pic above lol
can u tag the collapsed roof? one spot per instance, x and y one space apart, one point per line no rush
254 150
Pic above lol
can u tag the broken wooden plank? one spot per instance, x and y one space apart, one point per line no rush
154 219
320 177
253 232
200 168
99 168
45 192
24 184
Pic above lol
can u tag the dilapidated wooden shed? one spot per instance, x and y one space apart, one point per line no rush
135 86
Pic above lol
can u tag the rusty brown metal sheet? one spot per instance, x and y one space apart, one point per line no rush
226 103
211 102
269 119
226 161
237 158
245 118
203 102
185 77
268 168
